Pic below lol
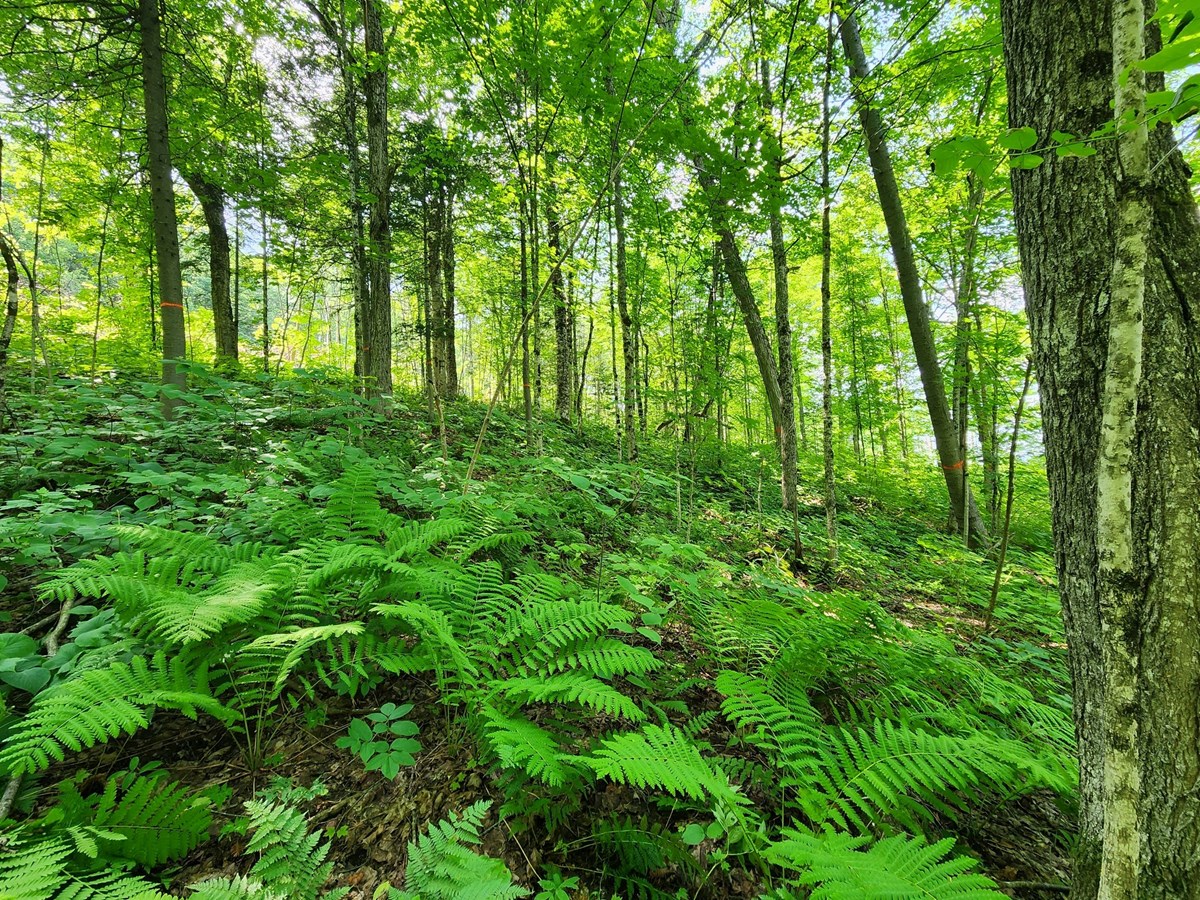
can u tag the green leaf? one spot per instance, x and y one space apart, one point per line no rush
30 680
1076 150
693 834
1026 161
1019 139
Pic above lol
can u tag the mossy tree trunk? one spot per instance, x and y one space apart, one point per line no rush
1129 577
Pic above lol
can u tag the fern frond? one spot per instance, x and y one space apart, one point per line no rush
353 510
663 758
572 687
103 703
634 849
442 867
240 888
895 868
291 861
31 870
43 870
897 772
520 744
603 657
145 818
789 738
437 638
410 538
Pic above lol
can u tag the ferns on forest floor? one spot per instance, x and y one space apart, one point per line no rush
348 575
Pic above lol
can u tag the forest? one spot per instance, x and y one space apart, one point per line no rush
613 450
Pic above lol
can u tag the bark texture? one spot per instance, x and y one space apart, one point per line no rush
162 201
945 434
1060 77
212 202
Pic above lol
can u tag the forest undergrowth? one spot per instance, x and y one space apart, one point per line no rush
280 647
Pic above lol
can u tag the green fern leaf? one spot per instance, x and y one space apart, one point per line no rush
103 703
895 868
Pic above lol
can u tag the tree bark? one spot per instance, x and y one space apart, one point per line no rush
563 326
785 429
1060 65
377 330
162 201
212 202
945 435
1119 592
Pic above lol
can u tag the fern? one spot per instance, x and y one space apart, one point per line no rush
895 868
292 862
663 758
869 775
572 688
790 738
519 744
103 703
441 865
634 850
49 870
144 818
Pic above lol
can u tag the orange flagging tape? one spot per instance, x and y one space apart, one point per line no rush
176 305
957 465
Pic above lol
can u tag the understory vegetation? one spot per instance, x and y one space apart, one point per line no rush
564 677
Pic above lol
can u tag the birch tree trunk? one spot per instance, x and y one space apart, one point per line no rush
162 201
1119 594
945 434
1129 574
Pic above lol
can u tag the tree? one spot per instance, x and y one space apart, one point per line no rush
1129 577
162 198
212 202
377 331
945 432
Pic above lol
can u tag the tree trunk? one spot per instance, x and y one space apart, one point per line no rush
449 353
785 428
826 304
526 387
11 307
435 321
628 347
735 271
377 330
1060 64
563 327
212 202
162 201
945 435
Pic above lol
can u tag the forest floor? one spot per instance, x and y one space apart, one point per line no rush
91 457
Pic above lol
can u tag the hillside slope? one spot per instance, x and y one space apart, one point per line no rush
621 660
